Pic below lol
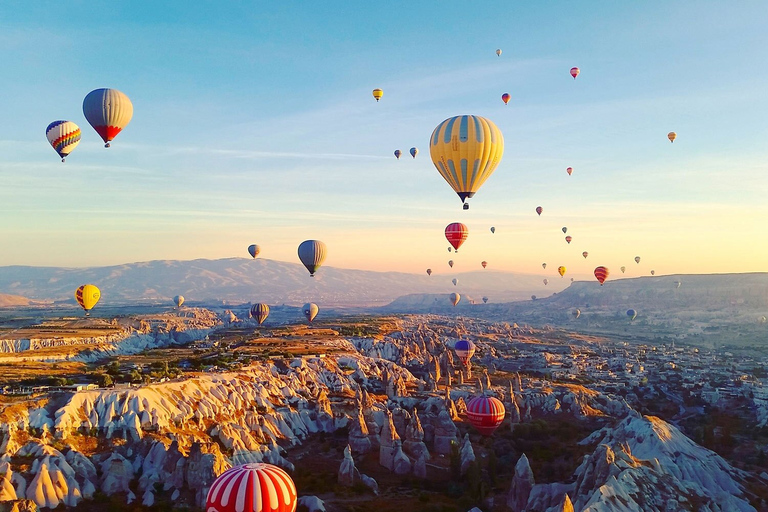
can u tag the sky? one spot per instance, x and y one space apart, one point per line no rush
254 123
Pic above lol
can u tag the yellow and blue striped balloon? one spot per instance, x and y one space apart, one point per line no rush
64 136
466 150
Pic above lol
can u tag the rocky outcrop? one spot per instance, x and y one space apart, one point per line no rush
522 484
347 471
467 454
445 434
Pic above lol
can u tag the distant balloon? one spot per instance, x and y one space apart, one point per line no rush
485 300
539 209
569 170
456 233
178 300
565 230
546 281
571 279
671 136
462 139
378 93
505 97
398 153
429 271
484 263
632 314
253 487
678 284
310 311
763 319
575 72
485 413
561 270
637 259
455 281
450 263
543 265
87 296
450 249
464 349
623 269
312 254
414 151
585 254
498 52
653 272
254 250
108 111
601 273
493 229
568 238
64 136
576 313
455 298
260 312
533 297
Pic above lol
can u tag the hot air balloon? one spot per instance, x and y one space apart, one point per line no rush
568 238
678 284
493 229
466 150
601 273
505 97
178 300
455 298
498 52
87 296
485 413
456 233
565 230
671 136
576 313
539 209
464 349
569 170
546 281
450 249
64 136
398 153
260 312
575 72
429 271
450 263
378 93
108 111
312 254
571 279
414 152
585 254
310 311
763 319
484 263
253 487
543 265
533 297
455 281
653 272
623 269
485 300
254 250
632 314
561 271
637 259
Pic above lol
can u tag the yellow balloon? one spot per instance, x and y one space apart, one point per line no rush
87 296
671 136
561 271
466 150
378 93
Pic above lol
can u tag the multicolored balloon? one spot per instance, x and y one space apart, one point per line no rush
484 263
87 296
464 349
429 271
498 52
378 93
108 111
455 298
456 233
585 254
543 265
485 300
178 300
64 136
623 269
466 150
561 270
398 153
254 250
671 136
310 311
485 413
505 97
312 254
632 314
253 487
569 170
568 238
601 273
575 72
260 312
539 209
414 151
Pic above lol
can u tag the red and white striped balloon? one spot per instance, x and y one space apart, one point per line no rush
485 413
254 487
456 233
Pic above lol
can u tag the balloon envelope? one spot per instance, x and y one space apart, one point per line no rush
505 97
575 72
64 136
455 281
378 93
312 254
108 111
466 150
254 250
260 312
565 230
576 313
498 52
450 263
585 254
671 136
546 281
398 153
601 273
539 209
485 413
429 271
178 300
414 152
464 349
653 272
310 311
543 265
484 264
623 269
253 487
561 271
456 233
568 238
485 300
493 229
455 298
632 314
569 170
87 296
637 259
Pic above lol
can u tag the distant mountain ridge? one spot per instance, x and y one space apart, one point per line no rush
237 280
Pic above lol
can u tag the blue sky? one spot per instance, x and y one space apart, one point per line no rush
254 123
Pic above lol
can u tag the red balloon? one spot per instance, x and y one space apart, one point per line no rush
601 273
456 233
484 264
505 97
569 170
485 413
575 72
539 209
254 487
568 239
